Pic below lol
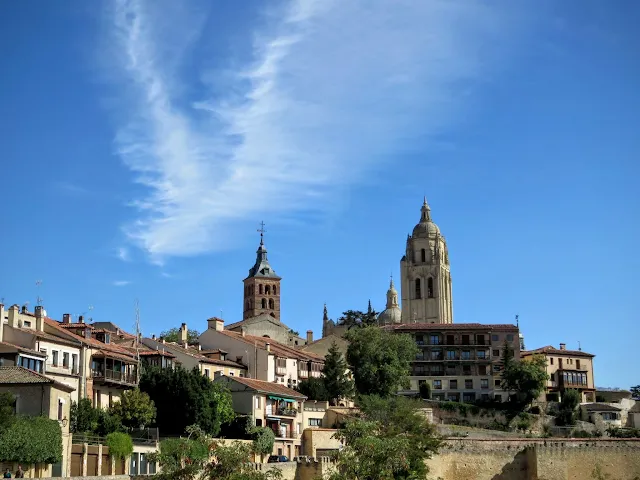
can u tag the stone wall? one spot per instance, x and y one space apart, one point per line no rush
310 469
537 459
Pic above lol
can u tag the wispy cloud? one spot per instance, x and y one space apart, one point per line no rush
123 254
70 188
331 90
121 283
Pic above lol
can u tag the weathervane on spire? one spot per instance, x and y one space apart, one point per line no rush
262 232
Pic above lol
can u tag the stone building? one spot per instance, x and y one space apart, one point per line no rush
426 274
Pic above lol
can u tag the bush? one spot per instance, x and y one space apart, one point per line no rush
31 440
567 409
474 409
425 391
623 432
120 445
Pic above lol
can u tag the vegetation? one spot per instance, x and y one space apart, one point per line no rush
356 318
86 419
635 392
30 440
294 332
120 445
390 440
425 391
526 379
314 389
135 409
381 360
337 382
7 409
567 410
201 401
263 440
173 335
616 432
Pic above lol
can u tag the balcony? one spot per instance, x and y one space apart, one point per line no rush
113 376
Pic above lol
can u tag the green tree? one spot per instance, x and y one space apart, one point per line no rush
425 391
120 445
30 440
7 409
391 440
314 389
525 379
635 392
263 440
335 375
173 335
380 360
83 417
135 409
232 462
107 423
567 409
357 318
200 401
181 458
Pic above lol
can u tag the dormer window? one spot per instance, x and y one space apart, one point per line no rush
107 338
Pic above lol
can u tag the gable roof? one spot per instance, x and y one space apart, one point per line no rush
192 352
549 349
22 376
601 407
261 386
6 347
262 317
277 348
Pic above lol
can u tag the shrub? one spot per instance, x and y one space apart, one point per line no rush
120 445
448 406
31 440
425 391
474 409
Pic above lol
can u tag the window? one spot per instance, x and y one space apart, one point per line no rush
264 303
424 255
74 363
551 360
315 422
260 289
453 384
497 382
274 289
578 364
437 384
420 339
271 304
509 337
430 287
480 339
609 416
54 360
436 354
468 397
231 374
267 289
497 368
258 401
466 355
497 398
450 340
451 354
27 324
482 369
466 369
258 422
468 383
496 352
465 340
420 355
207 372
434 339
65 360
484 383
495 338
418 293
481 354
60 409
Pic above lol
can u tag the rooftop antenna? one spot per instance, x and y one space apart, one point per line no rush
38 297
579 346
137 344
517 321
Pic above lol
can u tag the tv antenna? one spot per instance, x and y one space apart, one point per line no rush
517 321
38 297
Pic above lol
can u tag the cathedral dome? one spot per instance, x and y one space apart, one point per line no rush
392 314
426 227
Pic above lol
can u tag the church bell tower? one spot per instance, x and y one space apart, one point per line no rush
262 286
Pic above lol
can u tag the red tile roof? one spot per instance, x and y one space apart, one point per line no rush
150 353
556 351
500 327
11 347
22 376
276 348
266 387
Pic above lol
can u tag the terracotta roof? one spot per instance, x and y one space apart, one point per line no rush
276 348
556 351
266 387
117 356
197 354
22 376
499 327
150 353
18 348
601 407
76 325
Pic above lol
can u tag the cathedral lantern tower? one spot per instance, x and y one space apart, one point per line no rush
426 274
262 286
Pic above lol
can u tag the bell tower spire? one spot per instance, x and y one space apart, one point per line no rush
262 286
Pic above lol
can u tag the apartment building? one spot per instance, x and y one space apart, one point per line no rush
270 405
265 358
461 362
567 369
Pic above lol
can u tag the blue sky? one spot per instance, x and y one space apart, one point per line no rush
143 142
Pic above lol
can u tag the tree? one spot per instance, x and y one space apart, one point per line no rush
263 440
390 440
200 401
527 379
7 409
294 332
135 409
31 440
635 392
83 417
425 391
380 360
232 462
314 389
120 445
357 318
173 335
337 382
567 409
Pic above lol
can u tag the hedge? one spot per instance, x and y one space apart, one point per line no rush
31 440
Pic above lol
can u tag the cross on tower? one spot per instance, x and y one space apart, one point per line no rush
262 232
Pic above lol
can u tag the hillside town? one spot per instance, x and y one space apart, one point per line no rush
118 400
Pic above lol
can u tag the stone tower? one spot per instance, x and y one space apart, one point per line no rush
261 287
426 275
392 314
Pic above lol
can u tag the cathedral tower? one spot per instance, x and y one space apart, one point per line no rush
426 275
262 286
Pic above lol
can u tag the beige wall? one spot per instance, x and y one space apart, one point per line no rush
211 339
314 410
569 362
319 439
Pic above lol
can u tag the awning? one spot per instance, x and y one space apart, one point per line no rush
272 397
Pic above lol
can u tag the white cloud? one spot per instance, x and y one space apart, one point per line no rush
123 254
333 88
121 283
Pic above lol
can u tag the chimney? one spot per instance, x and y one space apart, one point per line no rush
66 318
199 347
216 324
309 336
80 319
14 314
1 322
40 313
563 346
244 332
183 333
24 309
153 337
268 347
